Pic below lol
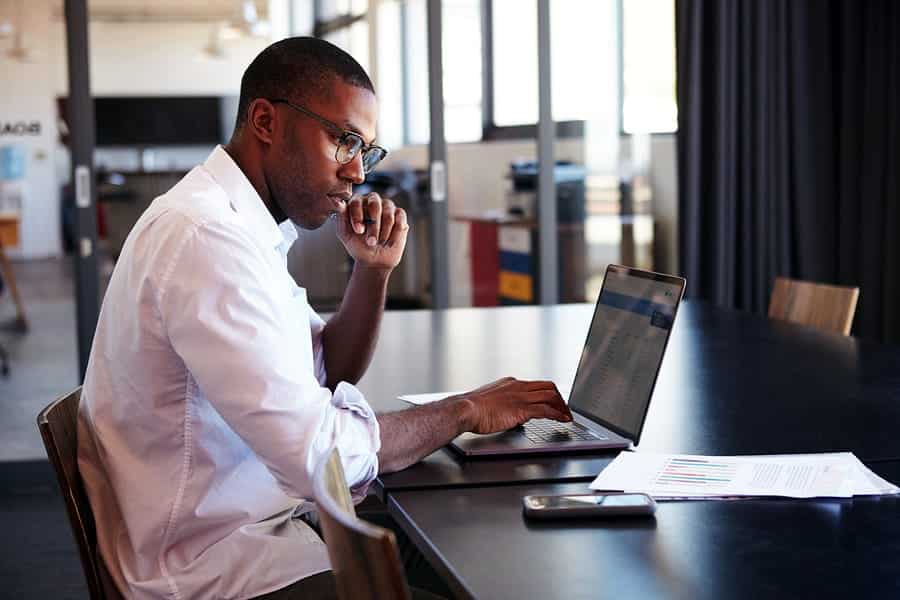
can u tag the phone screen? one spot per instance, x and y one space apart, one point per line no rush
590 500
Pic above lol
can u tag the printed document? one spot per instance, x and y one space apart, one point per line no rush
420 399
832 475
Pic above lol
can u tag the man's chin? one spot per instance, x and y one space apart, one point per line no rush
311 224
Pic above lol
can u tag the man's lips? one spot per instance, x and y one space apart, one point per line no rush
340 200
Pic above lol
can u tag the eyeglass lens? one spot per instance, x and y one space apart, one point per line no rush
372 157
349 147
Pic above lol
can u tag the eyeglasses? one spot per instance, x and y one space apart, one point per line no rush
349 143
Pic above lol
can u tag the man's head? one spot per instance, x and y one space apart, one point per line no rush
288 147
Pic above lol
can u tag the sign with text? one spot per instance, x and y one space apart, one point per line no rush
20 128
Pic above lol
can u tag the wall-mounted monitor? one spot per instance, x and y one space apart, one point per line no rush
158 121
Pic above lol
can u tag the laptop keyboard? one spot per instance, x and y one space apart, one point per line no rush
541 431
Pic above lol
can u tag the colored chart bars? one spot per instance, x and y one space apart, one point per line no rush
700 472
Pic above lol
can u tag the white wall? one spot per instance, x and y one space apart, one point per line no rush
158 59
28 95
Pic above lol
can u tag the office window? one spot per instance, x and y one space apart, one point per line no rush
462 70
343 23
579 31
416 72
514 33
330 9
649 103
390 74
302 15
354 39
409 55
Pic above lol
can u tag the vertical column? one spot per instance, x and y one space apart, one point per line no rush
372 20
548 246
437 161
81 127
487 64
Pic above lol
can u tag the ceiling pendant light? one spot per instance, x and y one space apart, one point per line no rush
247 20
214 48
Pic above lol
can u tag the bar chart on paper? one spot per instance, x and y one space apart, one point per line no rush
689 473
671 476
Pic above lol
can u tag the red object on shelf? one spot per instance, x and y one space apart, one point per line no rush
485 263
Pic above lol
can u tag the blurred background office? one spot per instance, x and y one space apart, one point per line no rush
530 148
164 78
533 142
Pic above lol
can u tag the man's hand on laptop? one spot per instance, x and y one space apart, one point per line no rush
508 402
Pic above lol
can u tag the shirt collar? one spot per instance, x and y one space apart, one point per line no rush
246 201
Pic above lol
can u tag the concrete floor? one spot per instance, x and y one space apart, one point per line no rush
43 360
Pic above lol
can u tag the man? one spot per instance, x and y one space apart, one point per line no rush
213 389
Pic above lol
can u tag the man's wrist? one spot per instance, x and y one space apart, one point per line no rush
464 411
379 272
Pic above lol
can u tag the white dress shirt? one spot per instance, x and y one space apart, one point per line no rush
204 410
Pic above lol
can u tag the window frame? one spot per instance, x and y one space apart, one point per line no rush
490 131
564 129
323 27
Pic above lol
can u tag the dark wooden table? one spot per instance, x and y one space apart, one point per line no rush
478 540
731 383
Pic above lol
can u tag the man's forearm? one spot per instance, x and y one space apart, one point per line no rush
350 335
409 435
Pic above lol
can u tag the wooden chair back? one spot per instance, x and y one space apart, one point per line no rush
364 557
826 307
58 424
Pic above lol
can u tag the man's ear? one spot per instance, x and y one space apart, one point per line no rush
261 120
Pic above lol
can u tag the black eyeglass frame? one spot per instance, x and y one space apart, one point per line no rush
343 134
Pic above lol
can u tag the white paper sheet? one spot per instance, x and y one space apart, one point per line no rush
832 475
420 399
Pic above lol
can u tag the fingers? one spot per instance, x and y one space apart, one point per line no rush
374 212
344 227
388 219
533 386
549 401
551 397
508 402
378 219
513 385
401 226
542 411
355 214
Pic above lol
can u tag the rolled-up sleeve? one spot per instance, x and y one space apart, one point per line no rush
249 346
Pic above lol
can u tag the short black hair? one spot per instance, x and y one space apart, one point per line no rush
297 68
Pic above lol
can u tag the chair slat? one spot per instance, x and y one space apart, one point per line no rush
58 424
826 307
364 557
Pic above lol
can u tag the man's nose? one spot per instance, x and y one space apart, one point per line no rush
353 171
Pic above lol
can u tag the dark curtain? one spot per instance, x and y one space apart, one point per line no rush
788 150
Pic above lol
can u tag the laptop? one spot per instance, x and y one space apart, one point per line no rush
616 374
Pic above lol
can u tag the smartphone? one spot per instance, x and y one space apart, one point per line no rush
588 505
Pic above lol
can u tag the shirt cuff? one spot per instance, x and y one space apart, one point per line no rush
357 436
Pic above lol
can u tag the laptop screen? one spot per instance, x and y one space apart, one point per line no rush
624 348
